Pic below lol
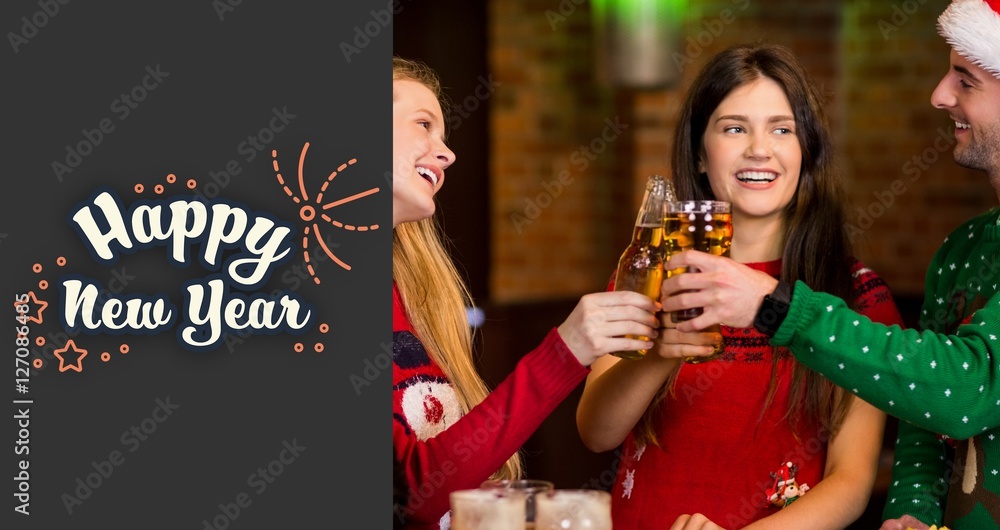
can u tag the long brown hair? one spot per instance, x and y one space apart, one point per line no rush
817 249
432 290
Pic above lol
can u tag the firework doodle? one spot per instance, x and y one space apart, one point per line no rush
312 214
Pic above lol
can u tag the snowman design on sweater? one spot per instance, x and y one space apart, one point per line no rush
429 404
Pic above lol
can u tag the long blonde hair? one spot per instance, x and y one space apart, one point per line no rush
433 293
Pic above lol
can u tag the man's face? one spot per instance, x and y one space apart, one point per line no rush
971 96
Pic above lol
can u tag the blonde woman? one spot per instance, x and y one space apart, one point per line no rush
449 431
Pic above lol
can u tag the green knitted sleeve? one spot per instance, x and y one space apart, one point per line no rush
946 384
918 484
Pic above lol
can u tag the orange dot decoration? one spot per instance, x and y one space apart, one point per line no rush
171 178
43 285
299 347
40 341
105 356
139 188
123 348
191 183
158 189
38 363
60 261
318 347
324 327
36 268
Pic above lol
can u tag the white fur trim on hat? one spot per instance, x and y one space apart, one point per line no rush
972 28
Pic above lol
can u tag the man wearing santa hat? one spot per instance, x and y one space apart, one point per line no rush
943 381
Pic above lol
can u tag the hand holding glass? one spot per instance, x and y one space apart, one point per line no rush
706 226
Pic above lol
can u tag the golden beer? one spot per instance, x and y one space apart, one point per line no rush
706 226
640 267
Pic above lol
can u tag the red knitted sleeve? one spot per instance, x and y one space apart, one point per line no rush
873 298
474 447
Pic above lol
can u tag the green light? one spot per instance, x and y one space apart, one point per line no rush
638 9
634 40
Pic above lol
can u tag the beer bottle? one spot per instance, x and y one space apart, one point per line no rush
640 267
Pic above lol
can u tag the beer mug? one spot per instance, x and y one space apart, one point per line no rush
706 226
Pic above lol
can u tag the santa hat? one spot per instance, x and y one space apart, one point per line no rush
972 28
785 474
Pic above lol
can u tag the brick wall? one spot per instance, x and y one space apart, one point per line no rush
892 59
562 214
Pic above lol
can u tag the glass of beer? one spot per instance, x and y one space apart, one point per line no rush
487 509
530 489
706 226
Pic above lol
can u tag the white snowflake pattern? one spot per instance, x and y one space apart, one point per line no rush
992 437
913 386
877 377
856 322
829 308
639 450
628 484
865 349
892 403
933 364
841 365
927 415
965 365
947 392
833 338
899 357
965 419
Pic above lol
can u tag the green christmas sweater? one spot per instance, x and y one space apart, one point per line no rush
942 381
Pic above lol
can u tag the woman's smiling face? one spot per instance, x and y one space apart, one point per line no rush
419 154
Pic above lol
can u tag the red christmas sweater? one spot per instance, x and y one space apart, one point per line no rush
717 448
439 449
